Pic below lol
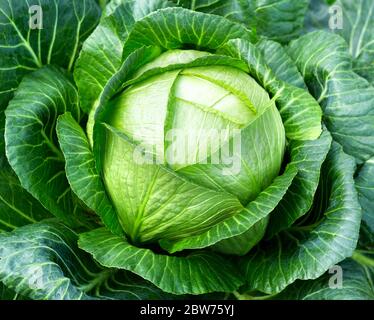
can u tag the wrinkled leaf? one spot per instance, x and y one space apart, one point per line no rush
64 26
196 273
42 261
31 141
307 252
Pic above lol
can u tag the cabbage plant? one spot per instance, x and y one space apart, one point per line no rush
169 149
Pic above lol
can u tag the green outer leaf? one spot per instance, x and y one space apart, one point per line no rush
17 206
298 254
35 258
65 25
365 187
8 294
197 273
42 261
346 98
366 235
357 285
101 54
358 15
277 58
280 20
173 28
308 156
3 160
241 222
30 140
358 30
81 171
301 114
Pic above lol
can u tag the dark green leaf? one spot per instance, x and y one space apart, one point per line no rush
8 294
31 141
17 206
346 98
42 261
277 58
65 24
357 28
280 20
307 252
365 187
196 273
357 284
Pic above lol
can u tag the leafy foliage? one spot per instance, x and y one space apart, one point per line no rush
82 219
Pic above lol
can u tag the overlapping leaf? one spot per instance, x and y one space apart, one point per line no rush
309 156
178 275
17 206
356 284
353 20
31 140
307 252
300 113
173 28
81 171
279 20
42 261
280 63
56 38
7 294
101 55
365 187
238 224
346 98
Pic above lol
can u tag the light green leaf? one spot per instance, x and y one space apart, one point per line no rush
240 245
196 273
81 171
190 211
173 28
101 54
365 187
346 98
241 222
301 114
31 140
65 24
307 252
42 261
17 206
